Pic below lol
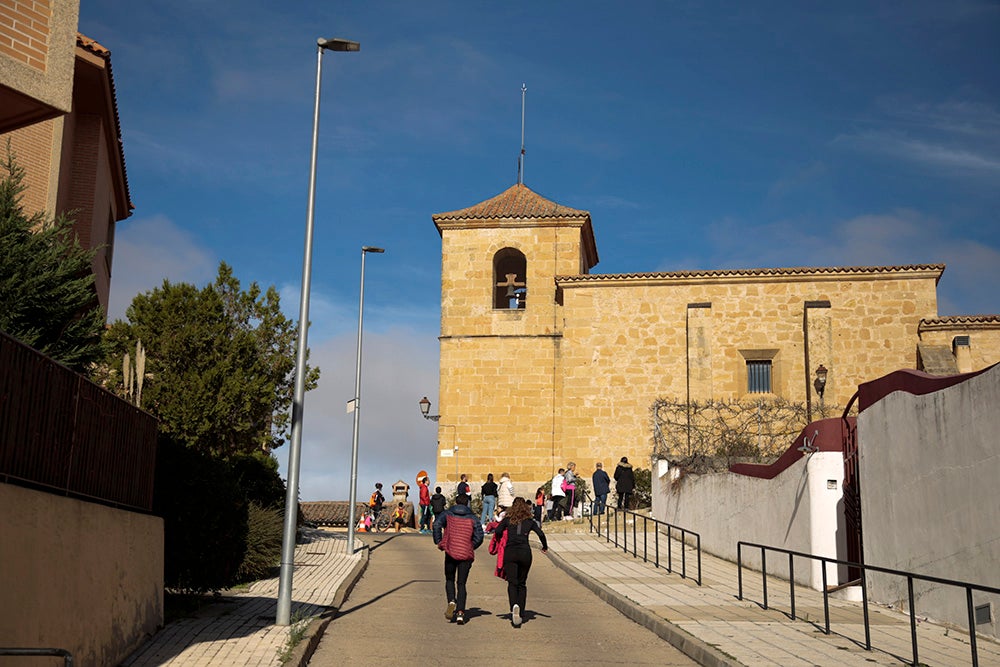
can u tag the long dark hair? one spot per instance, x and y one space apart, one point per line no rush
519 511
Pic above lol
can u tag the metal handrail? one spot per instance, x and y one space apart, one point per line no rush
824 560
670 529
40 653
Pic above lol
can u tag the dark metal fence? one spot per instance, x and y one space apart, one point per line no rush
610 527
909 576
40 653
65 434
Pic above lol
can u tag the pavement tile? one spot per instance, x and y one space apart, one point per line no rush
745 630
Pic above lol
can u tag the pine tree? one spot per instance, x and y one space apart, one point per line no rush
220 363
47 296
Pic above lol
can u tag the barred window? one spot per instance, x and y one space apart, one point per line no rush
759 376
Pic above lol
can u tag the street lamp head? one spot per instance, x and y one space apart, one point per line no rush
335 44
371 248
425 406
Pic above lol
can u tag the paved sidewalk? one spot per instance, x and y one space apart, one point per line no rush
240 629
710 624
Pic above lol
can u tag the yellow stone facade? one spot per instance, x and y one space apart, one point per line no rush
571 376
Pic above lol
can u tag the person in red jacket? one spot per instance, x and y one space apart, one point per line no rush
425 506
458 533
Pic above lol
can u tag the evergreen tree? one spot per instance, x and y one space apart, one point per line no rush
47 296
220 363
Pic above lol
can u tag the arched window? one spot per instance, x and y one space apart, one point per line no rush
510 286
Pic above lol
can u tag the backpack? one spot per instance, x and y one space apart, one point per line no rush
376 499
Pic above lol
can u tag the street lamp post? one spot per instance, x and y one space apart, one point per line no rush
357 403
425 411
283 616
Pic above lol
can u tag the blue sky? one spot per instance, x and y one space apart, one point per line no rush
700 135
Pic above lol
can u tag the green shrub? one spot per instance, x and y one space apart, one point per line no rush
264 528
642 495
204 518
257 474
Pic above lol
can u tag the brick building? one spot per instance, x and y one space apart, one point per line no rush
543 362
59 112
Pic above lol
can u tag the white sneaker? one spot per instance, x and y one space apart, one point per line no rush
515 616
449 612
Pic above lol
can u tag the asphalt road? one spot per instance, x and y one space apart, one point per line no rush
395 614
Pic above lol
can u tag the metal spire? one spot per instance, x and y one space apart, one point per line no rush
520 158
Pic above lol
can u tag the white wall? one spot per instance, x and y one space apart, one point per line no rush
930 494
796 510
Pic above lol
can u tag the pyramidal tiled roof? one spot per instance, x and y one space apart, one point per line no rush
517 202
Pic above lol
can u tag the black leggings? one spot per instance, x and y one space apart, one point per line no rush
456 569
516 564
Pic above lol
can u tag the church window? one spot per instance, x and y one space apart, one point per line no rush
759 376
510 290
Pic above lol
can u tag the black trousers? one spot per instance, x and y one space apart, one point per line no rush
456 573
516 564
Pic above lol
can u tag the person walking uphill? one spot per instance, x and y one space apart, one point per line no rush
624 483
458 533
518 524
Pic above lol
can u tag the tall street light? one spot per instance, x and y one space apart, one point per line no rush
284 613
357 402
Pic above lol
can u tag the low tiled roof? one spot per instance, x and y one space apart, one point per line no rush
751 273
331 512
94 47
518 202
960 321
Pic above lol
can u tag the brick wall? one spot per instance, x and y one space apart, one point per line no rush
34 152
24 31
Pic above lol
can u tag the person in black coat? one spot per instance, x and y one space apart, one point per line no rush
602 486
518 525
624 483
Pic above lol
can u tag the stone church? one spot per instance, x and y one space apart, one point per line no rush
544 362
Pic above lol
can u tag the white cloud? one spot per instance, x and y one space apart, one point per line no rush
395 441
149 250
961 136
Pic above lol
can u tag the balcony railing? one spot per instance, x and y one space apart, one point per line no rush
64 434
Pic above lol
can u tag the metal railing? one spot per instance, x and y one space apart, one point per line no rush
40 653
910 576
611 515
62 433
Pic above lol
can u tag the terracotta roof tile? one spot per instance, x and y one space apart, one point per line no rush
331 512
518 202
961 321
747 273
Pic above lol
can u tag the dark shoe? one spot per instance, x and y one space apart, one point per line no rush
515 616
449 611
460 618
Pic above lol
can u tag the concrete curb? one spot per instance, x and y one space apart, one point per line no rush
303 652
696 649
